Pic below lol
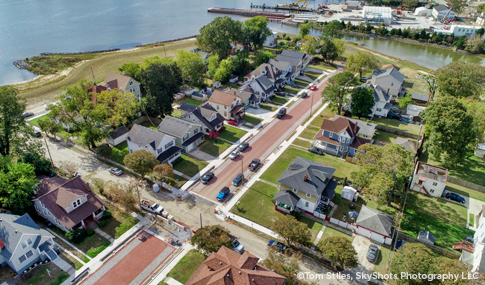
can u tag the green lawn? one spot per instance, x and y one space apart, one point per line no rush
381 264
326 114
188 165
252 120
463 191
214 147
231 134
274 172
302 143
257 204
191 101
35 122
280 100
330 232
291 90
471 170
314 226
184 269
312 75
395 124
268 107
472 220
181 181
308 134
119 223
92 245
119 152
385 137
301 83
176 113
55 276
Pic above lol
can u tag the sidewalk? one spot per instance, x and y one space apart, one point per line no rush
186 248
105 235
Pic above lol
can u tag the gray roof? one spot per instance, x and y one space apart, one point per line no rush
426 235
388 106
295 54
204 114
432 171
12 227
389 72
270 71
375 220
287 197
419 96
280 65
265 83
246 95
187 107
318 176
119 132
292 60
366 128
407 144
380 95
143 136
175 126
440 8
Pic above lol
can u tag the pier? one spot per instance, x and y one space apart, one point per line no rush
273 16
283 7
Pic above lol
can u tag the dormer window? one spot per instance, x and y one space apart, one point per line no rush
29 241
330 135
295 190
24 245
131 82
76 203
308 195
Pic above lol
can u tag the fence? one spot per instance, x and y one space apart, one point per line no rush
341 223
466 184
434 248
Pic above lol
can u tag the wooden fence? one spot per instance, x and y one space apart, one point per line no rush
466 184
434 248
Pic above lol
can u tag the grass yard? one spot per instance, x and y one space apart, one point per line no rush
314 226
71 260
415 85
119 223
280 100
188 165
184 269
35 122
385 137
268 107
472 220
301 83
231 134
395 124
39 275
308 134
331 232
463 191
93 245
471 170
252 120
291 90
326 114
176 113
181 180
119 152
302 143
214 147
381 264
257 204
343 167
191 102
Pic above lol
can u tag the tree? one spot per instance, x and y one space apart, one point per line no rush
16 187
476 44
432 86
123 194
161 81
310 44
333 29
449 128
443 265
339 45
226 68
147 61
460 79
49 127
328 51
362 101
240 62
211 238
305 29
384 170
13 129
410 4
76 236
476 109
362 61
291 230
192 67
163 170
283 265
404 102
218 35
456 5
337 90
213 66
40 163
132 69
69 167
256 31
460 43
339 250
141 161
118 107
263 57
412 258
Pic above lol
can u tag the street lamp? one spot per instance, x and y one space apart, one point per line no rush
48 150
242 168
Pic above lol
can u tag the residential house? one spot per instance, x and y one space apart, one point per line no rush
367 130
228 105
389 66
123 82
429 179
228 267
375 225
441 11
96 89
286 70
339 136
382 100
233 79
474 253
69 204
185 108
206 116
305 186
271 40
188 135
262 86
247 96
118 136
271 72
426 237
161 145
480 150
414 110
23 243
299 60
411 145
420 98
390 80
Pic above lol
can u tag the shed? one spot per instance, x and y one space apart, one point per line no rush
234 78
349 193
217 84
423 11
375 225
480 150
118 136
420 98
426 237
414 110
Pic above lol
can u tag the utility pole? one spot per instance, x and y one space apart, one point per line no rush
311 107
201 220
48 150
92 72
242 169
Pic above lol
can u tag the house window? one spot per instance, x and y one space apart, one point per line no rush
29 254
432 190
330 135
131 82
57 221
225 114
295 190
379 110
24 245
225 107
22 258
193 120
307 204
186 137
308 195
201 129
169 145
74 204
435 183
217 107
392 83
29 241
159 150
195 131
131 151
78 202
36 208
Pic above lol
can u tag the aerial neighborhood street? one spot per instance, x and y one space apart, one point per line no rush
245 155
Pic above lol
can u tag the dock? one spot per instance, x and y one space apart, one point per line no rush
282 7
273 16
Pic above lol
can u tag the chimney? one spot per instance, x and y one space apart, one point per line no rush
305 178
220 263
234 92
87 187
387 94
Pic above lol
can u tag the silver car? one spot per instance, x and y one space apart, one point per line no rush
234 154
115 171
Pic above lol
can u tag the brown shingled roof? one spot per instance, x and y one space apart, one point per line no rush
389 66
228 267
222 98
337 125
116 80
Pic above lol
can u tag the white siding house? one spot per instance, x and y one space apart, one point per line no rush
429 179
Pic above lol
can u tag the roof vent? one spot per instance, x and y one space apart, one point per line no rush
255 267
1 220
252 280
305 178
15 231
227 275
239 271
220 263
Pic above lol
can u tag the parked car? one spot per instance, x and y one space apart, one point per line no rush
304 95
239 178
254 164
278 244
237 246
455 197
115 171
27 114
234 123
208 177
281 113
243 146
223 194
315 150
234 154
373 253
143 236
313 88
37 134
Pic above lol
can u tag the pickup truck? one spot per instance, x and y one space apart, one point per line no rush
223 194
151 206
254 164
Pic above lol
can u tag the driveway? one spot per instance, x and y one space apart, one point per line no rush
361 245
202 155
467 200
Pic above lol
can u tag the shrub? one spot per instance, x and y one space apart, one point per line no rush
93 252
76 236
107 214
102 223
90 232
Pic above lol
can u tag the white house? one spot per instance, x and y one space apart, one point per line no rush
391 80
441 10
429 179
473 254
123 82
187 133
271 40
298 60
262 86
229 105
460 30
271 72
382 101
286 69
377 14
118 136
423 11
23 243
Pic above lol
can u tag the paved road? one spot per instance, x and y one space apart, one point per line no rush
262 145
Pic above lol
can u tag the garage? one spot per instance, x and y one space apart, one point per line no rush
374 224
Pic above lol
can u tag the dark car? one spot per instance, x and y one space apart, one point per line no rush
278 244
243 146
223 194
455 197
373 253
37 134
304 95
315 150
27 114
281 113
254 164
208 177
239 178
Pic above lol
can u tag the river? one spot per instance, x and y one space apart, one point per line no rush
29 27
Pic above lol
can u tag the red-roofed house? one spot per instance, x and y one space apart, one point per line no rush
228 267
68 203
123 82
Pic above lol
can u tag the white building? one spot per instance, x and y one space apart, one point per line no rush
423 11
460 30
473 254
441 10
429 179
271 40
377 14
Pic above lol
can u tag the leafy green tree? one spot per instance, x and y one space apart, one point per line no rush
362 101
384 170
339 250
161 81
329 50
147 61
480 31
256 31
132 69
240 62
211 238
76 236
50 127
263 57
460 79
412 258
410 4
119 107
40 163
432 86
310 44
163 171
476 109
13 129
192 67
16 187
361 62
460 43
337 90
443 265
223 73
305 29
476 44
450 131
141 161
339 45
291 230
404 102
456 5
287 266
218 35
213 66
333 29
